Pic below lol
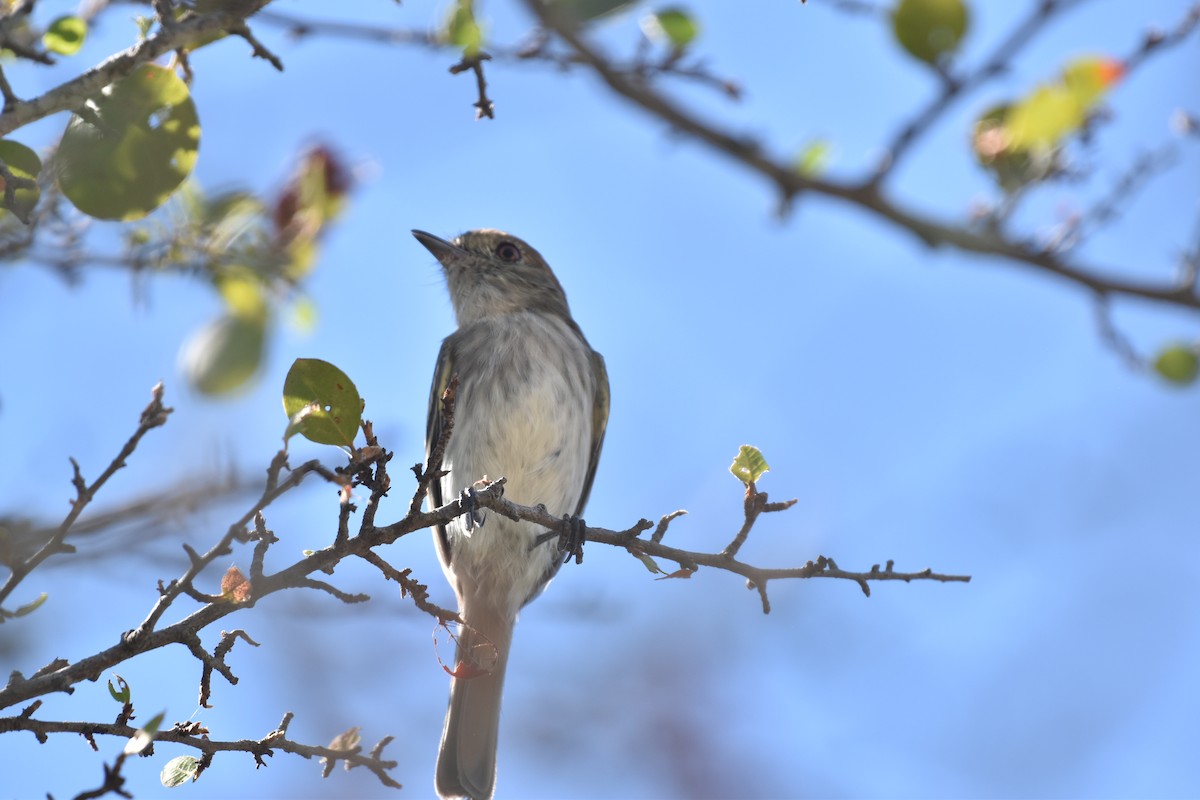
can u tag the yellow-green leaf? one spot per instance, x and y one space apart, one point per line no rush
178 771
130 146
31 606
461 28
321 402
929 29
22 163
814 157
122 695
1178 363
674 26
65 35
224 354
242 292
749 465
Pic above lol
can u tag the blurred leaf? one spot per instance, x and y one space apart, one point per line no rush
303 316
1179 364
461 28
145 735
133 145
814 157
588 10
31 606
749 465
123 695
673 26
224 354
1053 111
178 771
1089 78
929 29
1012 168
65 35
242 292
22 163
336 408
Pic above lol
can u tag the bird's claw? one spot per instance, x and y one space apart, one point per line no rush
470 503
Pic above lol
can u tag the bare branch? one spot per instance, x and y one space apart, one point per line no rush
153 415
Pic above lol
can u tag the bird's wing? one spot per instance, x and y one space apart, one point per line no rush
599 424
433 431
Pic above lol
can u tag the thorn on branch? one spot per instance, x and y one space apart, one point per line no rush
259 50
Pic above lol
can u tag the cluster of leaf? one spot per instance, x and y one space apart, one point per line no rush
1019 142
256 253
130 148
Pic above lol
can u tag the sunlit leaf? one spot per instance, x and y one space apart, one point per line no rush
120 695
145 735
242 292
321 402
65 35
929 29
674 26
178 771
130 146
749 465
462 30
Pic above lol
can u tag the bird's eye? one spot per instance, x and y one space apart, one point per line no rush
508 252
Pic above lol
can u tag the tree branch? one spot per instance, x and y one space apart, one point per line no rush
70 95
867 195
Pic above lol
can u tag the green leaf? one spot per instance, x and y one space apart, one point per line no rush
814 158
178 771
929 29
65 35
321 402
224 354
461 28
22 163
242 292
31 606
649 563
144 736
123 695
674 26
1179 364
588 10
130 146
749 465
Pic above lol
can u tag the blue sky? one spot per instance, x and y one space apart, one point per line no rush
937 409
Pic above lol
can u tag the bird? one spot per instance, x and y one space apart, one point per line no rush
532 406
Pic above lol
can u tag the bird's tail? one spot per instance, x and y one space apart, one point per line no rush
466 766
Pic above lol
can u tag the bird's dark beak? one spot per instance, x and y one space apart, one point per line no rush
442 250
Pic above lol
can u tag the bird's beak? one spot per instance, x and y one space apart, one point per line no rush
443 251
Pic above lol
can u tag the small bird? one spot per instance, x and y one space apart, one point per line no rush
531 406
